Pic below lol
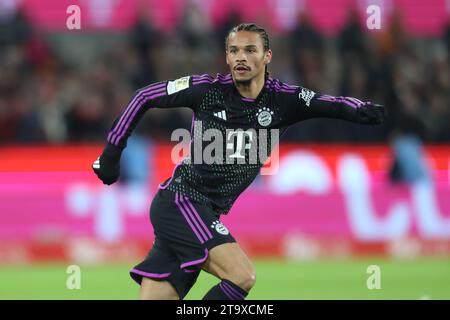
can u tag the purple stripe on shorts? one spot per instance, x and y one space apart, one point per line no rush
162 187
185 206
233 290
227 293
152 275
195 262
130 106
198 217
189 271
136 109
187 219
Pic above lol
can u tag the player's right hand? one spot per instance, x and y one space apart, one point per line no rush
107 166
371 113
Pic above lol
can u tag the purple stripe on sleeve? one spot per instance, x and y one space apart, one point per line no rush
201 81
337 99
358 102
275 83
185 206
226 285
280 90
288 86
220 75
219 78
327 98
206 78
187 219
151 87
195 262
212 81
137 105
275 86
279 86
198 217
227 292
125 117
347 102
136 110
152 275
202 77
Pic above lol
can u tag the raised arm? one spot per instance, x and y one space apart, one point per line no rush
306 104
182 92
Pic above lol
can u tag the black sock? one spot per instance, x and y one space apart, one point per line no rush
226 290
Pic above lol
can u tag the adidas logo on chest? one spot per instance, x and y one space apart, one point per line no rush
221 114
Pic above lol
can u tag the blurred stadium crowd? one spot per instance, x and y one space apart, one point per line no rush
45 97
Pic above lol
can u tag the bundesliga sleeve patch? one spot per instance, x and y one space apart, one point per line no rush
177 85
306 95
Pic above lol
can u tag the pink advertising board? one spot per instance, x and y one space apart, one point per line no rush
332 198
419 17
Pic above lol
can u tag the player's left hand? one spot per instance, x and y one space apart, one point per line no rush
107 166
371 113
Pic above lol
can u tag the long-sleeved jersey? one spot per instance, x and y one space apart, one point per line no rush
218 107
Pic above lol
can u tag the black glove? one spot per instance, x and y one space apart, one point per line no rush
107 166
370 113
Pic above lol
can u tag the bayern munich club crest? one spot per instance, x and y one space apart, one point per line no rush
264 116
219 227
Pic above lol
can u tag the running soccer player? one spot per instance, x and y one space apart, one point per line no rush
185 212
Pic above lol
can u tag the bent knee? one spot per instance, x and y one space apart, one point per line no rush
245 280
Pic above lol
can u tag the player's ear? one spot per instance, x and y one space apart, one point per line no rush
268 56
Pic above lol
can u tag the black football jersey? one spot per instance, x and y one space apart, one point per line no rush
231 136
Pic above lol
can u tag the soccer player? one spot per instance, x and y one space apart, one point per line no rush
185 212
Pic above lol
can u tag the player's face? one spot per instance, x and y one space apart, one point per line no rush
245 55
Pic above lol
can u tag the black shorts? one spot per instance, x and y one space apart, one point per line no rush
185 231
